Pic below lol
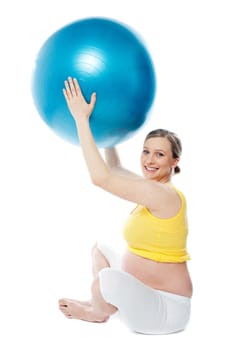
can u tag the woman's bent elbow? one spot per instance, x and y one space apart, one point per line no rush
99 181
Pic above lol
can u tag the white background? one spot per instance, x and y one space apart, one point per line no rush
50 213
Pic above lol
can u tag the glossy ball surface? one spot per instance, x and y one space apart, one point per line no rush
106 57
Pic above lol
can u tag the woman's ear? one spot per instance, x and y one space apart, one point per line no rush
175 162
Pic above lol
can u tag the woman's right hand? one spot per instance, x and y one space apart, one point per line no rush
76 102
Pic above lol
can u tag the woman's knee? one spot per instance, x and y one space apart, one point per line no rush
99 299
98 258
93 249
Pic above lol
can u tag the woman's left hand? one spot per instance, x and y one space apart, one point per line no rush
76 102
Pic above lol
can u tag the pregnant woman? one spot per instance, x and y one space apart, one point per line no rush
150 289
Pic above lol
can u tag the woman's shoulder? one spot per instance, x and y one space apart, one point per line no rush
178 192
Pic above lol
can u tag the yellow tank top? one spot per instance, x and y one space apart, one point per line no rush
162 240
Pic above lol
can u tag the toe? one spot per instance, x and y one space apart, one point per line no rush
63 308
63 302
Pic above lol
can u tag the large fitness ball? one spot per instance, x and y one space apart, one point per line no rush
106 57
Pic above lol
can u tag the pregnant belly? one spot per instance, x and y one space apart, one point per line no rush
169 277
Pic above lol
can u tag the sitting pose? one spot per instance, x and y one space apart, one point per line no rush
150 289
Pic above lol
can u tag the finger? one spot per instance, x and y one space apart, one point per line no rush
67 88
93 100
66 95
77 86
72 87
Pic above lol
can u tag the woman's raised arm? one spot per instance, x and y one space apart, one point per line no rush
113 161
137 190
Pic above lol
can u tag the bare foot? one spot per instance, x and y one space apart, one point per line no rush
81 310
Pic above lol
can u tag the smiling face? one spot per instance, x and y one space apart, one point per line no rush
157 160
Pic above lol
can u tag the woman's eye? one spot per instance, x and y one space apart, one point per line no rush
145 151
159 154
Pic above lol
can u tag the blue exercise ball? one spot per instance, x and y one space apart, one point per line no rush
106 57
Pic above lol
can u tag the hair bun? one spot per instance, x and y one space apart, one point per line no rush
177 169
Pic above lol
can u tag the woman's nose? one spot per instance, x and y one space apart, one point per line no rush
150 159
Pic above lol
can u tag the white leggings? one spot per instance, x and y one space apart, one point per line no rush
142 308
